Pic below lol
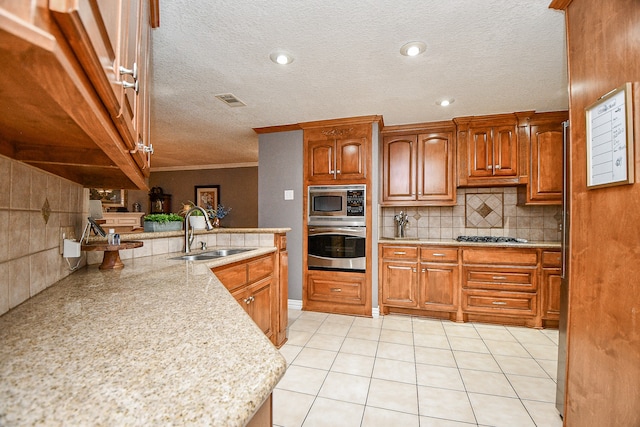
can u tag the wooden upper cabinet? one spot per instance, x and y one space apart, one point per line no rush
399 168
110 38
337 153
418 168
488 150
545 160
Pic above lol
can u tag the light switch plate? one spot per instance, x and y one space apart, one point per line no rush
288 194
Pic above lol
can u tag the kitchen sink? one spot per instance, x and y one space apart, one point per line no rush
216 253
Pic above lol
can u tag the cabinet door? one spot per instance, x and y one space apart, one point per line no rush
321 160
505 151
399 168
480 153
350 158
435 167
262 299
546 163
551 282
438 286
399 283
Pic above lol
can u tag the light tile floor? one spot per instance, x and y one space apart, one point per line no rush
407 371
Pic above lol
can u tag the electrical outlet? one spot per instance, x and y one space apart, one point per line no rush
66 232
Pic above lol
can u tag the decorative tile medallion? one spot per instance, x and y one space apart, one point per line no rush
484 210
46 211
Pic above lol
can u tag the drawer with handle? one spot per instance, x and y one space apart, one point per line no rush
400 252
439 254
499 303
551 259
507 279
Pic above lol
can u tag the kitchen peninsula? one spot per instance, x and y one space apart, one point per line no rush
159 342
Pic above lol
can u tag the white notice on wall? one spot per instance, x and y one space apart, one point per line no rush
607 140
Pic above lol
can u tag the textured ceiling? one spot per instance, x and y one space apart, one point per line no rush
491 56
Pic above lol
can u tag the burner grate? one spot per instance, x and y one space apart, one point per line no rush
490 239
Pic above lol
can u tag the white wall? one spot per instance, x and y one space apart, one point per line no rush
280 169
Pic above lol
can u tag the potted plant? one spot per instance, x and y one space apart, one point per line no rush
196 219
217 214
163 222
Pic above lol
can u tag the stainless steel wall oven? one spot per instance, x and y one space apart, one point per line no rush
336 248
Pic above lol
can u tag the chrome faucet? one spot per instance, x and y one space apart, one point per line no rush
188 237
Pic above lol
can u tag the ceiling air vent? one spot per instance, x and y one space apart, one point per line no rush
230 100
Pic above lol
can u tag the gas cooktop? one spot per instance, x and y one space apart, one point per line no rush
490 239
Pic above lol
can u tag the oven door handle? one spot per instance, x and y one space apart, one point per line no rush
347 231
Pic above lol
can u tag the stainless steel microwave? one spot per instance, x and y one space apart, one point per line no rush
337 205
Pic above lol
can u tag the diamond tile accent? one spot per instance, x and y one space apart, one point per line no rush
46 210
484 210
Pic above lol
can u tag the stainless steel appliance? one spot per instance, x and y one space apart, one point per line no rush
564 284
337 248
342 205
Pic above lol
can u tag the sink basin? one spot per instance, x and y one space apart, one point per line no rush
216 253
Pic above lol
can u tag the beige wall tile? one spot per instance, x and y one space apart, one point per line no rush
37 273
4 235
5 180
37 232
19 223
18 281
4 287
38 193
20 186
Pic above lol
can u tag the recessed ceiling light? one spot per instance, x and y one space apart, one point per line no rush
281 57
445 102
413 48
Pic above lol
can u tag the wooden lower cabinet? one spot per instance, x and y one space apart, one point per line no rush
263 416
256 299
259 286
551 282
419 280
512 286
337 292
500 285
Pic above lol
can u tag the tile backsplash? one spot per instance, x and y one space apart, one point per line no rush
34 205
479 212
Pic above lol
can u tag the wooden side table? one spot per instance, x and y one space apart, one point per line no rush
111 259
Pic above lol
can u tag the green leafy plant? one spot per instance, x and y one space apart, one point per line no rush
162 217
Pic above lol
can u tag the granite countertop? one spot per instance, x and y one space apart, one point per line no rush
180 233
453 242
160 342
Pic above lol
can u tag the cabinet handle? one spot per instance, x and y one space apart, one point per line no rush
247 300
424 270
332 172
131 72
399 253
338 171
336 289
135 86
414 270
499 278
499 303
489 167
438 254
498 167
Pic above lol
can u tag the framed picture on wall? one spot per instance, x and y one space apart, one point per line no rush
207 196
110 198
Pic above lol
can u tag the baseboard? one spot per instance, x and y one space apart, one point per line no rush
295 304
